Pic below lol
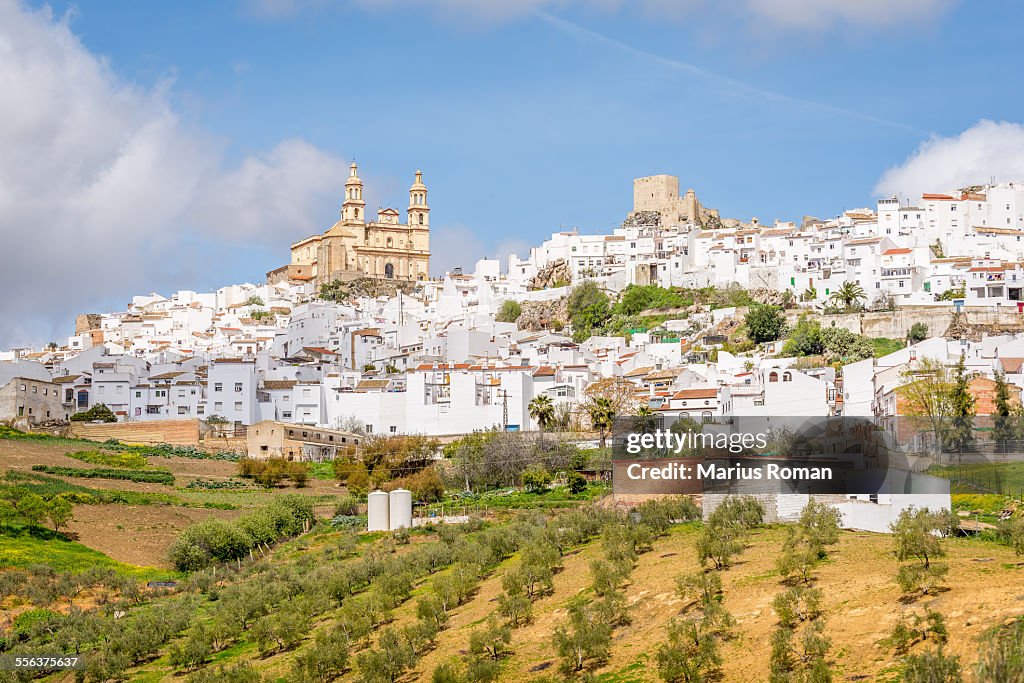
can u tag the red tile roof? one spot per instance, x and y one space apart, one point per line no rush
696 393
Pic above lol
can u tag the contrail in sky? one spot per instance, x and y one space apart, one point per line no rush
581 32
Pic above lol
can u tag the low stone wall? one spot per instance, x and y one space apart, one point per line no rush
896 324
175 432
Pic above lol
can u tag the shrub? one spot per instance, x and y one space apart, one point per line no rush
1001 657
764 323
238 673
576 482
536 479
915 537
934 667
273 471
918 332
143 476
347 505
588 309
723 534
426 485
216 540
689 654
639 298
509 312
97 413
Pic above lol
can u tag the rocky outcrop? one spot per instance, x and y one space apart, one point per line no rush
556 273
642 219
544 315
771 297
340 290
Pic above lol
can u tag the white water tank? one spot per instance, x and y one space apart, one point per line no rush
401 509
377 511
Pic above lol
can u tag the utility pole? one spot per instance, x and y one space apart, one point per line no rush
503 395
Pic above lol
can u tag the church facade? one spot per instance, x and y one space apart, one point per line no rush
357 247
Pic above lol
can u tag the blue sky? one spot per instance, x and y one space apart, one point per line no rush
526 116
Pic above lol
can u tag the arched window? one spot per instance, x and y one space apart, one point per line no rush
774 377
389 271
357 213
421 219
787 377
390 242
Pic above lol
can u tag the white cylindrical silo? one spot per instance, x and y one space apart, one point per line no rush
377 511
401 509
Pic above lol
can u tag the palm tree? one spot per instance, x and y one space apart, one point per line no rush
810 294
602 416
543 411
848 294
645 421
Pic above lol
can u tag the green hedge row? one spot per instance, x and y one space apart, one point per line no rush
144 476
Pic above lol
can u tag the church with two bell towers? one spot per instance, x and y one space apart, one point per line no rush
357 247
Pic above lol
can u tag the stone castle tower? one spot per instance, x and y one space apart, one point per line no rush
660 194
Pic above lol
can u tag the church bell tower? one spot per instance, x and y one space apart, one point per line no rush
353 209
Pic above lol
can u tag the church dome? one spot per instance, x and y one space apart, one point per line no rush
353 175
418 183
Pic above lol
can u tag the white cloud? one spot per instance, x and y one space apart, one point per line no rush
283 192
454 246
520 248
816 15
804 15
984 151
103 190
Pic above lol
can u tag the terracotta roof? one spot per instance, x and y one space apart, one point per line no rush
1010 365
373 384
544 371
894 252
424 367
639 372
696 393
273 384
664 374
322 351
998 231
927 195
66 379
166 375
864 240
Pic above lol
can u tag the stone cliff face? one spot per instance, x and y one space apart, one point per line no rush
544 315
642 219
350 290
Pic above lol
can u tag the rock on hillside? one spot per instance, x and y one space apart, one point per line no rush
544 315
556 272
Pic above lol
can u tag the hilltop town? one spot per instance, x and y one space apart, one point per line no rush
352 335
233 438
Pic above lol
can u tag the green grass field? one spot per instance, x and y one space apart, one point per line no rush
1005 478
20 549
